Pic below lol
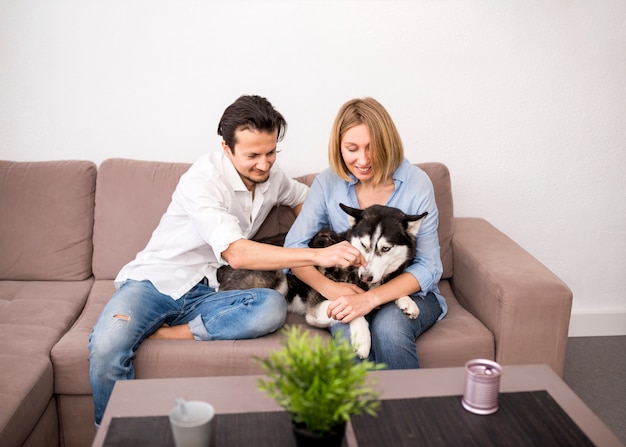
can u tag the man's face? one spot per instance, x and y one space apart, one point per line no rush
255 153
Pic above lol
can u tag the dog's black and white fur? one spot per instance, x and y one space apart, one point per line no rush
385 236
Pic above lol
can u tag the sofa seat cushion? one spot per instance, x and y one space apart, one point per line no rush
70 356
35 314
156 358
452 341
25 392
457 338
46 219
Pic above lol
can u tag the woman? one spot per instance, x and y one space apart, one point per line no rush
368 167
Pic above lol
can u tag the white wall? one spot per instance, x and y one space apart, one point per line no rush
525 101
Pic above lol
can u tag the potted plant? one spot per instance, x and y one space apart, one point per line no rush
321 384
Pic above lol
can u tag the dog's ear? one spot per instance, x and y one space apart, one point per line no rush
413 222
354 214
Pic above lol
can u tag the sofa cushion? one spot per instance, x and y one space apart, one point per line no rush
156 358
70 356
440 176
35 314
25 400
457 338
452 341
46 219
131 197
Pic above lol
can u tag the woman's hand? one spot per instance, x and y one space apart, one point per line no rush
348 307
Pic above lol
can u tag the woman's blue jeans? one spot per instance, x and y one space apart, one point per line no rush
394 334
137 309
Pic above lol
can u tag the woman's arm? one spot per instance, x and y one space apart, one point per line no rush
312 217
328 288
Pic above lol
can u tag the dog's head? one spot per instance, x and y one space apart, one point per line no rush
386 237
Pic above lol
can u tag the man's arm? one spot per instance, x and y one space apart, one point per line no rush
251 255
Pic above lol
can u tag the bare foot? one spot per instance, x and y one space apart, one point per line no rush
166 332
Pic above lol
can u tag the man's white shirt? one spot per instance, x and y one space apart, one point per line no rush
210 209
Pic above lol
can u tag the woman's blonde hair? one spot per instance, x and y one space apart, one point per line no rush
386 150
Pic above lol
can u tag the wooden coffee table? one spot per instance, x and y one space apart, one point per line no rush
239 394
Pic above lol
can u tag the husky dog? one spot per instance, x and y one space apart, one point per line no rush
385 236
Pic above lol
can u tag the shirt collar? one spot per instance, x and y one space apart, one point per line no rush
353 180
232 176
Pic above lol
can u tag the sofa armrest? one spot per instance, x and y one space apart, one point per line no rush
524 304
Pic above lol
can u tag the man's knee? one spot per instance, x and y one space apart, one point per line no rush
274 311
110 335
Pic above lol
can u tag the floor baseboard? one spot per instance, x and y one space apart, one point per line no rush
597 324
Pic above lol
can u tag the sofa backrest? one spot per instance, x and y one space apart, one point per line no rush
132 195
440 176
46 220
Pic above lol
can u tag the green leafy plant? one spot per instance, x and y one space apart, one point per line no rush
319 382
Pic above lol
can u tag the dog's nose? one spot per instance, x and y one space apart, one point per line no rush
366 277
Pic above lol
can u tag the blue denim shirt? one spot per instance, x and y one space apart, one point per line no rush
413 194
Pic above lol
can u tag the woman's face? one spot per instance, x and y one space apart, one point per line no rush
355 150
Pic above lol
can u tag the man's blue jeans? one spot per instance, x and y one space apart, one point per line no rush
394 334
137 309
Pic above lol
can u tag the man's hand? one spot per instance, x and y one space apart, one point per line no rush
342 254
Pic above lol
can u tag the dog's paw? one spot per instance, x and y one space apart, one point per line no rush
408 307
360 337
318 315
362 346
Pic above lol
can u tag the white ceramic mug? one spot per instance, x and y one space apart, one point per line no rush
191 423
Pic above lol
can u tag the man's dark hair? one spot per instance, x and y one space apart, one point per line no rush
253 113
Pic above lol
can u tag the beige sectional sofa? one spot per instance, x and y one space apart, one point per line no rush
67 227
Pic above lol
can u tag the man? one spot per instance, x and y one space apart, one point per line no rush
170 288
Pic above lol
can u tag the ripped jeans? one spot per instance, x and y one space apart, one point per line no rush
137 309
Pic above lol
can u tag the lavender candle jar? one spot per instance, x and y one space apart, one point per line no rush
482 385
